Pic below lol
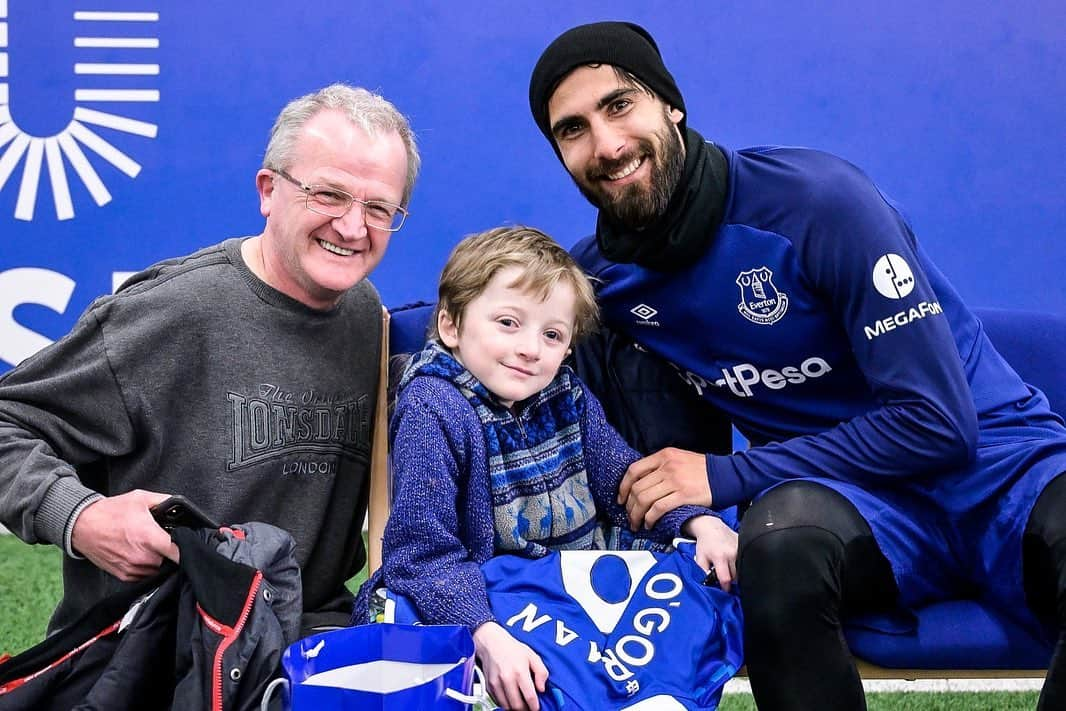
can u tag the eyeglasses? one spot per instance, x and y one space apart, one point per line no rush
331 202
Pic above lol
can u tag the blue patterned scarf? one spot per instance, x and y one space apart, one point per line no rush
540 492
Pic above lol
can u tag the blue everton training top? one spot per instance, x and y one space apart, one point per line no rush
816 321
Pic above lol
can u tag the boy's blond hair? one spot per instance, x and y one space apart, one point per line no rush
544 264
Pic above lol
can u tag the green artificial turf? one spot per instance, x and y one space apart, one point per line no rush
921 701
30 586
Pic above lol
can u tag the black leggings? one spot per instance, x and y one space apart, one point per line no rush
1044 575
808 558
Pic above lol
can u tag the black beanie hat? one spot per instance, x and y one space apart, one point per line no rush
621 44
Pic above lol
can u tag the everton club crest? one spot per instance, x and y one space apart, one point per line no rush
760 301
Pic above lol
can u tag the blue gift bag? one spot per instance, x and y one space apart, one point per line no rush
379 666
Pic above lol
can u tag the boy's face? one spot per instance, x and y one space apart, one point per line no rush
510 340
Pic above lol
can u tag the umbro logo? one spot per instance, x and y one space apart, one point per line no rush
643 311
644 314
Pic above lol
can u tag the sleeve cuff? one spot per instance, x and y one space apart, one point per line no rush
726 489
673 521
474 625
65 499
68 530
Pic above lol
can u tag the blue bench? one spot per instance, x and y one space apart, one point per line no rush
954 638
960 638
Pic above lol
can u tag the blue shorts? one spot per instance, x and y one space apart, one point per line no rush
942 541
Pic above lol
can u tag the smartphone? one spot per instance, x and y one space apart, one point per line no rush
179 511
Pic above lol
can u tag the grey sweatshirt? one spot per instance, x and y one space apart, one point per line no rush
197 378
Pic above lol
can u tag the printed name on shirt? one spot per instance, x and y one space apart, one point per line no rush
631 650
740 378
902 318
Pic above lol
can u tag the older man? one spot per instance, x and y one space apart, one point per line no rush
242 376
902 459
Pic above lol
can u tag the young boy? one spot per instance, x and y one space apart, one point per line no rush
498 448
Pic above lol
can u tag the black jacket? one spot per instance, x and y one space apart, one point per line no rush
206 635
645 398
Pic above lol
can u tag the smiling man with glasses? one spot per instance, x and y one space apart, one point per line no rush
328 229
242 376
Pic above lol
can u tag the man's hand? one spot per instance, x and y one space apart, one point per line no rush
716 547
514 672
661 482
119 535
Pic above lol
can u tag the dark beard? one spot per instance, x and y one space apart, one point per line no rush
634 207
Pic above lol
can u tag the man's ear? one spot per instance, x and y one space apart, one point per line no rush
676 115
449 332
264 185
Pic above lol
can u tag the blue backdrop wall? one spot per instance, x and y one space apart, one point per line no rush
128 138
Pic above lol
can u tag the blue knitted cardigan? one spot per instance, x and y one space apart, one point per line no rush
473 478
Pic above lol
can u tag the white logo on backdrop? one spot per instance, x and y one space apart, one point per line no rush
129 34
